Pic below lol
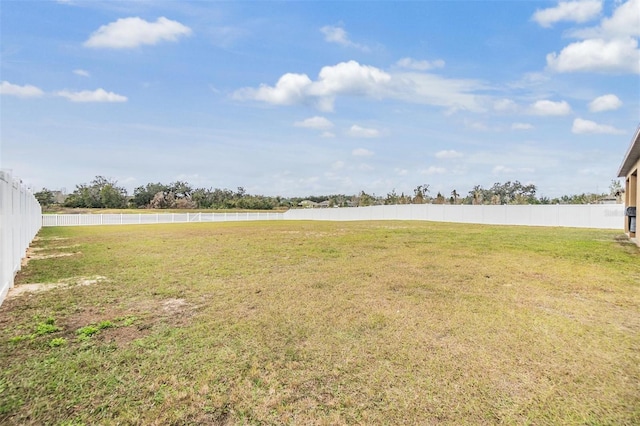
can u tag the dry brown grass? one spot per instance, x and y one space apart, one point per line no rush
327 323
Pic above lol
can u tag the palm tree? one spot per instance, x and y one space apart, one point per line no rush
455 196
477 194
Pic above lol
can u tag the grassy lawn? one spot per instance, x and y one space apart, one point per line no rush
324 323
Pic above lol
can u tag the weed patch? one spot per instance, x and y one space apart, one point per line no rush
58 341
84 333
42 328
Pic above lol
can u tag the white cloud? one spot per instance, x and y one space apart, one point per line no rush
431 89
98 95
581 126
530 79
81 73
624 22
433 170
610 47
128 33
476 125
26 91
333 34
574 11
338 165
605 103
362 132
446 154
414 64
597 55
401 172
546 107
521 126
361 152
328 135
290 89
353 79
350 78
502 170
316 122
505 105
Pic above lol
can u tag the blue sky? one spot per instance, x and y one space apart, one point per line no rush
300 98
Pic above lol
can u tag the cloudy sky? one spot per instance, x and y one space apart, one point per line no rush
299 98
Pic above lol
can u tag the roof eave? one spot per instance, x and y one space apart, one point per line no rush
632 155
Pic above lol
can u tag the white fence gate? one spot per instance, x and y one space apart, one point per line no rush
20 221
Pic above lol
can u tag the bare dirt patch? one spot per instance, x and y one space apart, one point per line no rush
173 305
177 311
122 336
37 238
31 255
127 326
40 249
131 320
173 312
22 289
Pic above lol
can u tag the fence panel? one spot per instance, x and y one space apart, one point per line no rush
151 218
20 221
602 216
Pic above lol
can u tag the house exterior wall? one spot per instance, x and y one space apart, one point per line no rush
629 171
632 195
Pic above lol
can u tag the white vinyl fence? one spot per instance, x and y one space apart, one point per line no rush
20 221
602 216
148 218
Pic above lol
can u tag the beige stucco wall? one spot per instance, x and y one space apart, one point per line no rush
632 195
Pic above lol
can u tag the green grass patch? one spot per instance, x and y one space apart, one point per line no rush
46 327
87 331
58 341
84 333
41 328
325 323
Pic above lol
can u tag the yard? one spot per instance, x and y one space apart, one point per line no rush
323 323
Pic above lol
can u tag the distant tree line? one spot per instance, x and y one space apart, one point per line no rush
106 193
